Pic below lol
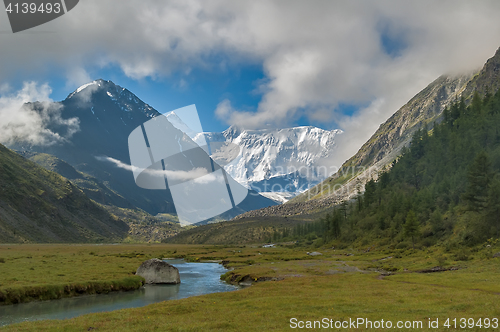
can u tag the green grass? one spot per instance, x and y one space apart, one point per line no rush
338 285
41 272
13 295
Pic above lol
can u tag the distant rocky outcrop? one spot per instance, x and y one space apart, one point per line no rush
156 271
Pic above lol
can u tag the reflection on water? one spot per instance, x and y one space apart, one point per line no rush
196 279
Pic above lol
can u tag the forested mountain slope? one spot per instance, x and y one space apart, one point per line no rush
386 144
444 188
422 110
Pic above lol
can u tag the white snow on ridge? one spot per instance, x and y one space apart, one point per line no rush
85 85
268 159
270 153
279 162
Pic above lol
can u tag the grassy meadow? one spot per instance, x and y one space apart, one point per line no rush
372 284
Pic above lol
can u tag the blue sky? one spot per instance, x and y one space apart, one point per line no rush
257 64
205 89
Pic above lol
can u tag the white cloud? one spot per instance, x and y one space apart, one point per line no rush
315 55
85 92
197 174
77 76
20 122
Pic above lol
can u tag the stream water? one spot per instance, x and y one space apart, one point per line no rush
196 279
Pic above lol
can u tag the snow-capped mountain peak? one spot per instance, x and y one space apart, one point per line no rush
121 97
93 85
85 86
277 160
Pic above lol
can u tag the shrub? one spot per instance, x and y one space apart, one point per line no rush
2 260
402 245
428 242
462 255
441 260
389 268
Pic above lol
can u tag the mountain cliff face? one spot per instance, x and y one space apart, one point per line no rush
37 205
385 145
424 109
487 80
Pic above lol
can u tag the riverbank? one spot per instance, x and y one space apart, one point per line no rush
368 283
47 272
197 279
53 292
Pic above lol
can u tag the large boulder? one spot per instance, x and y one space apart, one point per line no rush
156 271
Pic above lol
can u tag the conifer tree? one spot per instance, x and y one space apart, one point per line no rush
370 188
411 227
479 176
336 221
476 104
494 204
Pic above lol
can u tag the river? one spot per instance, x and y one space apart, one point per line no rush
196 279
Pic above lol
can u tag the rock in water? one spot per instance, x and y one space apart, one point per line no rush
156 271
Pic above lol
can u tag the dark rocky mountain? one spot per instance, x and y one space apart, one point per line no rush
37 205
107 114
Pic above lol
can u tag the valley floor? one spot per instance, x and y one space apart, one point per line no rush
351 285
